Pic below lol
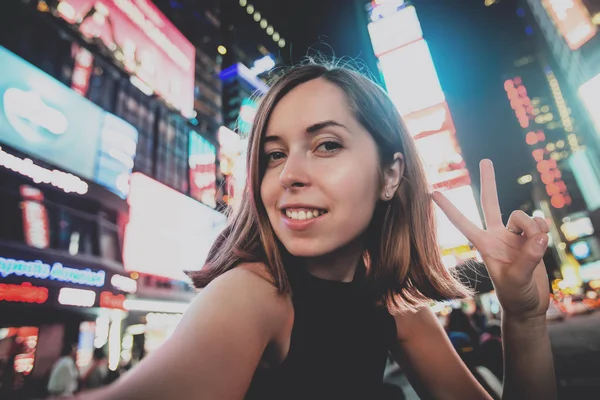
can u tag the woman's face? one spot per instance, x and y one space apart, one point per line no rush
321 183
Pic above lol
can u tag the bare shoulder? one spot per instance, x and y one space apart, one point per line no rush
249 287
415 323
217 346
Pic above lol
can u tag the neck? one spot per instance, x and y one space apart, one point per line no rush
340 265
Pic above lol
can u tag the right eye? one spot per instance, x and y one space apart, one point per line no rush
275 156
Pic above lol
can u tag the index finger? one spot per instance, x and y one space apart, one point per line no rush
489 195
462 223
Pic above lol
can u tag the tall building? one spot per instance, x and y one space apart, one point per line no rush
406 66
105 137
570 33
566 67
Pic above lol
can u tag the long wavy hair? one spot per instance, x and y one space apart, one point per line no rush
404 267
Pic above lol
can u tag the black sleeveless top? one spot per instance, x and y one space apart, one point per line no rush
339 344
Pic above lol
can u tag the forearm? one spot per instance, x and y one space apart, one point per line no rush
528 363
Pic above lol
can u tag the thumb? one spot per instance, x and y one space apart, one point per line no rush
533 250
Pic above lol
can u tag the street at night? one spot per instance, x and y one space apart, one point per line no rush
317 199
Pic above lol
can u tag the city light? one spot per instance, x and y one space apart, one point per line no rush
114 342
412 83
563 110
165 241
417 78
155 306
29 106
548 169
589 93
57 272
525 179
69 183
222 50
386 37
24 293
572 20
113 301
76 297
123 283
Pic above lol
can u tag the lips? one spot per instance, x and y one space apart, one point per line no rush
300 217
303 213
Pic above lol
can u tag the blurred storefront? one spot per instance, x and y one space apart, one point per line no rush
79 112
48 300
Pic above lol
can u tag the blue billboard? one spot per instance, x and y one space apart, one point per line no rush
42 117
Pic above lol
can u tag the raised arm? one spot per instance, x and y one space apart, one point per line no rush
216 348
513 257
432 365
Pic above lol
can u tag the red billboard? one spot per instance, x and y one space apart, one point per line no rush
144 40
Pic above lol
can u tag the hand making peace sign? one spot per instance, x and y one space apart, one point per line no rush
512 254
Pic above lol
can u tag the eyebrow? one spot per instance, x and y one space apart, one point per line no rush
311 129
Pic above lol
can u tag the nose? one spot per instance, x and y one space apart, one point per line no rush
295 172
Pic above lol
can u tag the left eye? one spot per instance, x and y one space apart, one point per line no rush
329 147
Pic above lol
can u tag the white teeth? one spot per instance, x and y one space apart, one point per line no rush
303 215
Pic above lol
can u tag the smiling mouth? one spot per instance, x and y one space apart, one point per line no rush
302 214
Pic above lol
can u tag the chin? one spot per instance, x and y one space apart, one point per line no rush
307 248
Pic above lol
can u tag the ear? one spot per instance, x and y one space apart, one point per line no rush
392 176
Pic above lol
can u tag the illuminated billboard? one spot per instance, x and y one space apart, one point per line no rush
384 33
410 78
203 169
429 121
589 93
232 156
463 198
144 40
413 85
42 117
572 21
442 159
167 232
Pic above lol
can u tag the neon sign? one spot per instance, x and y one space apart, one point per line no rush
24 166
109 300
263 64
35 217
58 272
76 297
550 174
124 283
24 109
23 293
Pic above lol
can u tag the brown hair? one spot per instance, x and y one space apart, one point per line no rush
401 254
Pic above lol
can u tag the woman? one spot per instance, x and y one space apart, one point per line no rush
331 260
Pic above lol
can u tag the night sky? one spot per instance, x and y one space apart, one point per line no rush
473 48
